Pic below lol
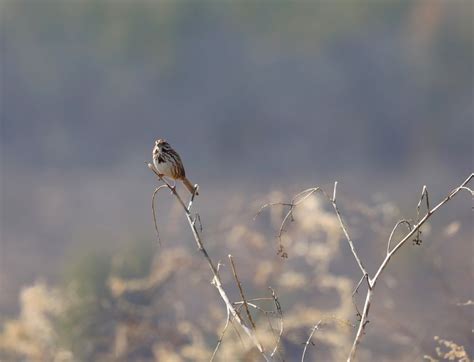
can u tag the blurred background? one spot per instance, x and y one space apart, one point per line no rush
262 100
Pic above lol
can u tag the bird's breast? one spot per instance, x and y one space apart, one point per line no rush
163 167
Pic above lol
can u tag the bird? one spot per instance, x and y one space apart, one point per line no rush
168 163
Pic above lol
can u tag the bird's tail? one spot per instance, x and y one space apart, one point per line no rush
189 186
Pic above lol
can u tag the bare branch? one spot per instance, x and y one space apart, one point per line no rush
219 341
316 327
295 201
216 281
277 313
280 313
344 230
362 324
270 204
406 222
356 290
313 330
334 192
468 190
428 214
241 304
372 281
234 271
424 195
302 196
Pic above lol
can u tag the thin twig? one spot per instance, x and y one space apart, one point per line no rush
468 190
270 204
154 213
393 231
356 290
267 313
239 284
316 327
280 313
371 282
295 201
241 304
259 299
313 330
424 195
219 341
344 230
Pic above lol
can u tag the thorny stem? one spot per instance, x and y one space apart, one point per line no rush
216 279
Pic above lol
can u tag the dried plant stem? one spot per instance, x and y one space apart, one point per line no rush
154 212
371 282
280 313
313 330
393 232
216 278
317 327
344 230
221 337
239 284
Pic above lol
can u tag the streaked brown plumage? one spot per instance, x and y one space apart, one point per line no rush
168 163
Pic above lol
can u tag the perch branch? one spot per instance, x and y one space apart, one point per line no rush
216 278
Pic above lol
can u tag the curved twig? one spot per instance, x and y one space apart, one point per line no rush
219 341
154 212
393 231
295 201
